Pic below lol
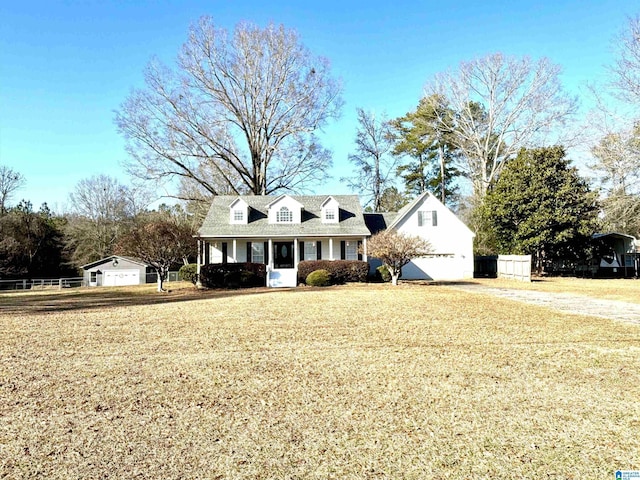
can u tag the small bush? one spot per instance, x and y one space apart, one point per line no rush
383 272
189 273
319 278
341 271
233 275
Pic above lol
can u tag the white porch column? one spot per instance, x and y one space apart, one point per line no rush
235 258
269 255
296 253
199 261
330 248
364 249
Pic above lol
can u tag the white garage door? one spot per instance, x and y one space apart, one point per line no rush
118 278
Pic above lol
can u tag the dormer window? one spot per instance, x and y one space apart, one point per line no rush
239 212
330 214
285 209
330 208
284 215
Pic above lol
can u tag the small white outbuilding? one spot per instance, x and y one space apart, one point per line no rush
115 271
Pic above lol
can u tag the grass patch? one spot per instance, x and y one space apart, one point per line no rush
360 381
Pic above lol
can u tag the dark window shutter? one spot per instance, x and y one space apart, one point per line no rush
420 219
266 253
434 217
207 247
249 252
343 250
301 251
359 251
224 252
319 250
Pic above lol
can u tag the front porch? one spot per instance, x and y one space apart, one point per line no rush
280 255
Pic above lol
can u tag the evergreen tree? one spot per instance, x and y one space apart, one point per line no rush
427 145
542 207
31 243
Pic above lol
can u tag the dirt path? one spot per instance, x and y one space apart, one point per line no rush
564 302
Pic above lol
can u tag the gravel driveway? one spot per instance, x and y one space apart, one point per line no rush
564 302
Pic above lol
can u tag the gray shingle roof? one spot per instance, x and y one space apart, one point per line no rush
216 223
376 222
111 258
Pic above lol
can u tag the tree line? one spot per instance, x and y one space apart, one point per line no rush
240 112
105 217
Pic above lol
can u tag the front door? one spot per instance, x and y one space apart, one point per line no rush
283 254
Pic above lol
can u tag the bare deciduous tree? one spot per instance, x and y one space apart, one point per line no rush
238 114
396 249
101 210
502 104
627 67
160 244
374 166
10 181
617 165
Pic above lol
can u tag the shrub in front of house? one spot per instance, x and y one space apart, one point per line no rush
341 271
188 273
319 278
382 274
233 275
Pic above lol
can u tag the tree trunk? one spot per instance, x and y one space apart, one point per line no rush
395 275
443 180
162 275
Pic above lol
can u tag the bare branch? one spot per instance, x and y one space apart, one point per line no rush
374 165
235 104
10 182
503 104
627 67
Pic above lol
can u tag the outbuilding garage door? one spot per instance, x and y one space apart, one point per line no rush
118 278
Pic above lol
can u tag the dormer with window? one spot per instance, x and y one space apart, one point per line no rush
330 210
285 210
239 212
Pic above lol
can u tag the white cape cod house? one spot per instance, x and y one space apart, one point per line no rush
280 231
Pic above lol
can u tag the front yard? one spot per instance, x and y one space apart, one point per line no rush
360 381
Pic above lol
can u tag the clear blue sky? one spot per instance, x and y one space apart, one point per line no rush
66 66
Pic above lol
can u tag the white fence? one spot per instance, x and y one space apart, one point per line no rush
71 282
515 267
41 283
171 277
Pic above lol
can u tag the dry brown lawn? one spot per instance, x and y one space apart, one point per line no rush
353 382
625 290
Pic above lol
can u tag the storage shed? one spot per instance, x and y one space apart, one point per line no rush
116 271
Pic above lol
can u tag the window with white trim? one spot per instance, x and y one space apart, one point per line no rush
310 251
257 252
238 216
284 215
330 214
428 218
351 250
